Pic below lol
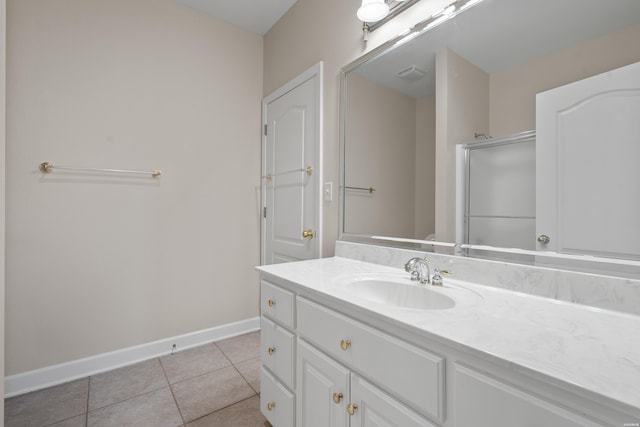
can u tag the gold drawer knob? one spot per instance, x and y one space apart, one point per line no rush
337 397
345 344
271 303
351 409
271 350
271 405
308 234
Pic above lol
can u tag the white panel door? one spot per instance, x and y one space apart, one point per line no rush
291 169
587 174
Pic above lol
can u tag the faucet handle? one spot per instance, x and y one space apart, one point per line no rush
415 275
436 280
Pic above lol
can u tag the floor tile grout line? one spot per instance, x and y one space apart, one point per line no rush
129 398
225 407
245 379
136 395
60 421
86 414
184 423
201 375
223 353
72 416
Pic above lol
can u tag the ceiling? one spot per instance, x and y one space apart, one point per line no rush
257 16
498 34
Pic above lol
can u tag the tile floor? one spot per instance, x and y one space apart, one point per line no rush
213 385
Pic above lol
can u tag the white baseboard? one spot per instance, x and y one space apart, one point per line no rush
81 368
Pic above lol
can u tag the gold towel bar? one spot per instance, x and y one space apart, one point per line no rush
47 167
370 189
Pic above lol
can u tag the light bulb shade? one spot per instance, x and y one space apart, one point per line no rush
372 10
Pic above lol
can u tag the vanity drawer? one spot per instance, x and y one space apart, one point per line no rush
277 350
276 402
412 374
277 303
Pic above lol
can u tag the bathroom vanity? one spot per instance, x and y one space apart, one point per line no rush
352 343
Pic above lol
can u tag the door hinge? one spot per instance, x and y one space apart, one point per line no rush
265 130
264 212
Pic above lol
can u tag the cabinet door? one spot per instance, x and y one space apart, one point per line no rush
323 389
372 407
482 401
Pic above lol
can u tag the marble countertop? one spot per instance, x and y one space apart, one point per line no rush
593 349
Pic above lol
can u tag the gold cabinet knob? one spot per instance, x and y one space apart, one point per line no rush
271 405
345 344
337 397
308 234
351 409
271 303
271 350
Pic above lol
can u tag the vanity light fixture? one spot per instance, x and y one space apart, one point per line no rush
372 10
436 19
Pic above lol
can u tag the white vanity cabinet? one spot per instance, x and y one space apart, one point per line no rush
328 363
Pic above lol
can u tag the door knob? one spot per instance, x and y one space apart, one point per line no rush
544 239
337 397
308 234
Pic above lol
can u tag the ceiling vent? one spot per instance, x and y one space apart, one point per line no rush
411 73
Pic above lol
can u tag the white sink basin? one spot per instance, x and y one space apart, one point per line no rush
397 293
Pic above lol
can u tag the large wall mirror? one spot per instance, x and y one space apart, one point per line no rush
473 76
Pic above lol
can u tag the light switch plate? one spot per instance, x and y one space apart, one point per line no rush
328 191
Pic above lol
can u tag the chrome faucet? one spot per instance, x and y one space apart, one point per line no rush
419 269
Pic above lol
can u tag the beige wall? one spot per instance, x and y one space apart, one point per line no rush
381 131
513 91
462 97
328 31
98 263
425 165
